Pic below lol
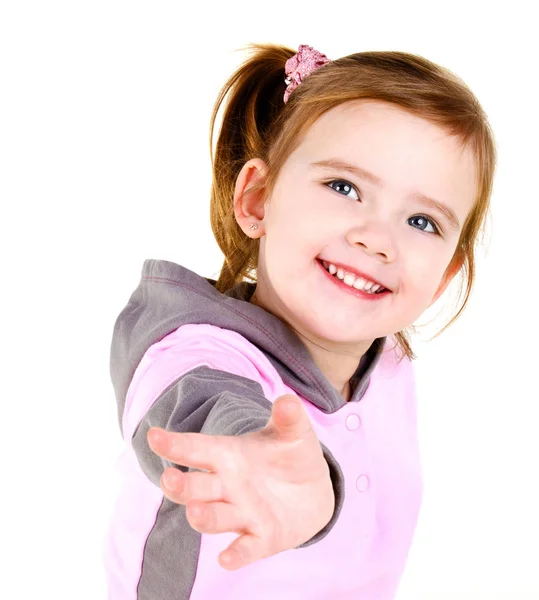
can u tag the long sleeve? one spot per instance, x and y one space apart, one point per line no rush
207 400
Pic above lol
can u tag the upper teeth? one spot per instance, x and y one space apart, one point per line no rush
352 280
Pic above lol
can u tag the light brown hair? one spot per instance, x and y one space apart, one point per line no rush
256 123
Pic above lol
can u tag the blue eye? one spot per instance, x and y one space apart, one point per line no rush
347 187
428 221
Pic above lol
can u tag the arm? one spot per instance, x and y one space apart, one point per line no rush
214 402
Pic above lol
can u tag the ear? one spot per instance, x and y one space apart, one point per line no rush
249 205
451 271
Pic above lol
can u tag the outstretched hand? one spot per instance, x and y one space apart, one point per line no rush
271 486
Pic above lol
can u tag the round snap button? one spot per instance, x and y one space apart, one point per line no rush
362 483
353 422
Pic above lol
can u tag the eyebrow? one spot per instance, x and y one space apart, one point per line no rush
334 163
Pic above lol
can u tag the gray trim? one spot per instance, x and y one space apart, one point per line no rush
170 556
337 478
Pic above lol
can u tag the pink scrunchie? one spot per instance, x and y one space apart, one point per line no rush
303 63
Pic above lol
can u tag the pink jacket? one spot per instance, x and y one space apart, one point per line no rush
188 358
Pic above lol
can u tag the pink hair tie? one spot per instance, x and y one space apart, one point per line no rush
303 63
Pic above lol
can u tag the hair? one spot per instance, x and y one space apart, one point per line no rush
256 123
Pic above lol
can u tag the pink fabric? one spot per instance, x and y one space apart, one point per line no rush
133 519
374 441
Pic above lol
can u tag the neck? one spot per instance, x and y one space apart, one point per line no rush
337 365
337 361
346 393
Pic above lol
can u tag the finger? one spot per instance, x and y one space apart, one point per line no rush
215 517
289 417
243 551
186 487
188 449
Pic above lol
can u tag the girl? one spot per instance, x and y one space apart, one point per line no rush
269 415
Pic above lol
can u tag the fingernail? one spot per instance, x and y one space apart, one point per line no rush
171 479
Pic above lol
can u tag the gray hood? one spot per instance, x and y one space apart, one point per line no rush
169 296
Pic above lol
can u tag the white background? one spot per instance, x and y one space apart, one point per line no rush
104 161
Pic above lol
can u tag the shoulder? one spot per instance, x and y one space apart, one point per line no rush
193 345
191 357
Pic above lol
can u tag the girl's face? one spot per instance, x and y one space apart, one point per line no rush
377 226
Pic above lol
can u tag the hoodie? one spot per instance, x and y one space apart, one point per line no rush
188 358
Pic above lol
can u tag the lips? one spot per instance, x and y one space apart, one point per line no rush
350 289
355 272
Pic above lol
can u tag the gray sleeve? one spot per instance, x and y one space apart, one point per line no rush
215 402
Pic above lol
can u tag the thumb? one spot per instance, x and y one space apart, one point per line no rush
289 418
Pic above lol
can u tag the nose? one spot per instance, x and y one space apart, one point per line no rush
374 239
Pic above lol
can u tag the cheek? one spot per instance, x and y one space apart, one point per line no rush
422 276
420 270
296 238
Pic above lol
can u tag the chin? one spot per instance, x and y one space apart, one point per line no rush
339 332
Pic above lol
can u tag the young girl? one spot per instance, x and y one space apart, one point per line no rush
270 416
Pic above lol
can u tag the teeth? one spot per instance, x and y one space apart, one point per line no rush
349 279
359 284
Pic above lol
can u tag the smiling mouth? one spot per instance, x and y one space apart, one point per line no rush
353 285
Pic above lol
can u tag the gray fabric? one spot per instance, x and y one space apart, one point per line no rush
170 556
170 295
210 401
203 400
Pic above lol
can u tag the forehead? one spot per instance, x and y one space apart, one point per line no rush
407 152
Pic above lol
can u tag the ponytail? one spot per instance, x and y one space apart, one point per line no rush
255 100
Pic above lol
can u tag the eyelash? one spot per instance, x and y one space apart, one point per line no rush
431 221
